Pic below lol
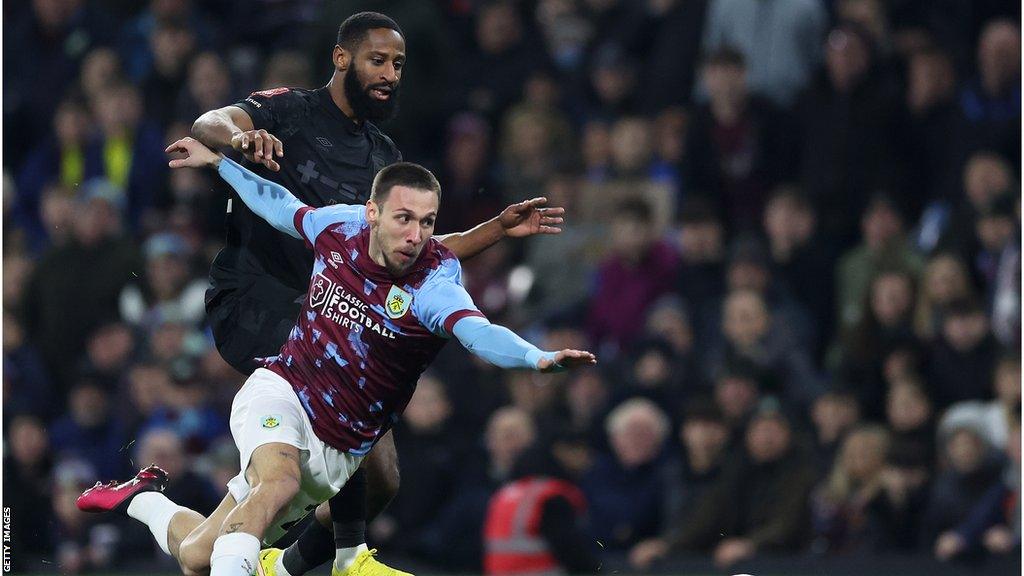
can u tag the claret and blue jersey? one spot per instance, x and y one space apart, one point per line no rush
363 337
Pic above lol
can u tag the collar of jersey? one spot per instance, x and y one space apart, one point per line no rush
327 103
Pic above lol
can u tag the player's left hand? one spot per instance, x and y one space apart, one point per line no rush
567 360
530 217
197 155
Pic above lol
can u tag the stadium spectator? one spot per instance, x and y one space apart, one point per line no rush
897 511
703 437
738 146
700 240
992 523
839 505
973 469
59 158
127 151
937 136
833 415
910 417
992 419
991 101
27 468
27 386
885 325
758 504
883 246
109 352
791 228
638 270
963 359
170 46
625 489
945 279
92 431
166 293
752 335
737 392
846 114
74 288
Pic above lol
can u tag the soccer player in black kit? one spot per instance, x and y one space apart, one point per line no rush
321 145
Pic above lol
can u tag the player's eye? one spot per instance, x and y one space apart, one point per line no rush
378 61
428 222
399 64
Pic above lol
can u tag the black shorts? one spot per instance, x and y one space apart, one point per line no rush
252 321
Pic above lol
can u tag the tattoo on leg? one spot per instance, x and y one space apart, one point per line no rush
234 527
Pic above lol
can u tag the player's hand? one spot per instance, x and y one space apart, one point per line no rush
530 217
566 360
197 155
259 146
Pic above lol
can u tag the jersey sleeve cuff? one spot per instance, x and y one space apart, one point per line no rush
449 322
297 221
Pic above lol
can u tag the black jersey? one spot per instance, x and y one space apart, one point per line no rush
329 159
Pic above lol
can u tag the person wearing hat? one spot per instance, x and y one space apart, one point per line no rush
166 292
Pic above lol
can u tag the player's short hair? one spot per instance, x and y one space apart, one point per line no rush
354 29
403 174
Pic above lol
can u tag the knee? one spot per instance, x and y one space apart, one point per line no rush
391 480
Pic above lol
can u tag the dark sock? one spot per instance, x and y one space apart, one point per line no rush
348 512
313 548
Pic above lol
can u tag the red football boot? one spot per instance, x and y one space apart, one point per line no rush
115 497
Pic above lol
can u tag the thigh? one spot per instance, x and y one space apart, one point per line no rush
381 464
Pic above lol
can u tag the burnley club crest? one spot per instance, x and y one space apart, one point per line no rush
398 302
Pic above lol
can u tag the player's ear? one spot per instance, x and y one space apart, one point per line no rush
341 58
372 212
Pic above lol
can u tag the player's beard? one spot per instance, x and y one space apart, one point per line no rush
365 106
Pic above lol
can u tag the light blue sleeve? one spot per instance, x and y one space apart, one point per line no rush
442 300
275 204
497 344
268 200
315 221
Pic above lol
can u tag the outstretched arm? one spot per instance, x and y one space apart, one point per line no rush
231 126
516 221
505 349
268 200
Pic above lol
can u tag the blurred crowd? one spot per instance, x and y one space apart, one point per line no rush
793 240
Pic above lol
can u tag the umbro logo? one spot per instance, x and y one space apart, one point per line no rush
324 142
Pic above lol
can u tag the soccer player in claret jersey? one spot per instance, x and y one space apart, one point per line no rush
383 300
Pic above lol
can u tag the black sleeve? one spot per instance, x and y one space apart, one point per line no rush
265 107
568 544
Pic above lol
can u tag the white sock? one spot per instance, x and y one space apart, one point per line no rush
235 554
154 510
279 568
344 557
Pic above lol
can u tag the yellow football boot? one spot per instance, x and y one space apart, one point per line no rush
366 565
268 562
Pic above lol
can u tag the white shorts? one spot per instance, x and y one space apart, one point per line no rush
267 410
